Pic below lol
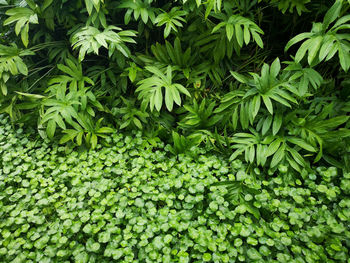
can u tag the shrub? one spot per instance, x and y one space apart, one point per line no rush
261 72
135 202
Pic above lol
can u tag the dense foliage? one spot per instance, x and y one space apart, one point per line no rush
264 83
135 202
262 80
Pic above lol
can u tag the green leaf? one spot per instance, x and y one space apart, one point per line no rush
344 57
251 154
158 99
51 128
302 50
255 106
297 157
278 156
169 98
268 103
22 68
257 39
297 39
24 35
229 31
277 123
326 48
19 25
105 130
3 88
246 35
46 4
144 15
301 143
93 141
253 254
332 14
82 257
275 67
239 77
92 246
315 46
235 118
104 237
239 34
273 147
206 257
266 125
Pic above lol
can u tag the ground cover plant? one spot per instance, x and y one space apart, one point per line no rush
137 202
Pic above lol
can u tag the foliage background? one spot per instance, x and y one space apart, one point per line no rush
264 81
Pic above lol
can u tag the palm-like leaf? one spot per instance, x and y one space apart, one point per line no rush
264 88
322 43
150 89
89 39
139 9
11 63
172 20
23 17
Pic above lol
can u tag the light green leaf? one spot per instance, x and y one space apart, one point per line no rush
268 103
332 14
277 123
275 67
314 48
301 143
239 34
273 147
229 31
51 128
93 141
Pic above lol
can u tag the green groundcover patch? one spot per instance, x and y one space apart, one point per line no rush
134 202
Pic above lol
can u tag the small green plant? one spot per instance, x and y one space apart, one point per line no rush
62 205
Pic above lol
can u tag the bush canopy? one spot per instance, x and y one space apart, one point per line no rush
264 80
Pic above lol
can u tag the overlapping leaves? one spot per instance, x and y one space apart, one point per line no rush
89 39
151 89
323 42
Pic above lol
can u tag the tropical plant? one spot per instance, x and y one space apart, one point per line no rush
210 73
11 63
323 42
90 39
23 17
171 20
199 116
174 131
150 89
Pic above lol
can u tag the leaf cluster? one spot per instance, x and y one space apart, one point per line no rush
136 202
226 75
